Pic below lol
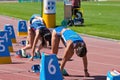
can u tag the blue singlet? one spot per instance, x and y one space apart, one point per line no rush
71 35
37 24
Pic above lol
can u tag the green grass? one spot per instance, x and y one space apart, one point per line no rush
101 18
19 10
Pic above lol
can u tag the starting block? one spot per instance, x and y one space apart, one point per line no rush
4 52
36 68
5 35
113 75
49 68
24 42
10 29
22 28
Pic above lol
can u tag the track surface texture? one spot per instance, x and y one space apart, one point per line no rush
103 56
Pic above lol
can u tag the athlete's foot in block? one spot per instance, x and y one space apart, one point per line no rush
65 73
87 74
31 59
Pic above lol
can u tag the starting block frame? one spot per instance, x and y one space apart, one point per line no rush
10 29
4 52
22 28
50 69
5 35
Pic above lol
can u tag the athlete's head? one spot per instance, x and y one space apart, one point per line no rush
48 38
33 17
81 50
46 35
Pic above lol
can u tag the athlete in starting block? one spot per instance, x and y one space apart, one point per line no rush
37 31
73 42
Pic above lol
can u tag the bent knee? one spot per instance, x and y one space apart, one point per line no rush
29 45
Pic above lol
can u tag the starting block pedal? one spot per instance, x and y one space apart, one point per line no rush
22 28
35 68
24 42
36 56
49 68
113 75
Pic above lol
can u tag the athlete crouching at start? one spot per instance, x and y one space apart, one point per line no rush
73 42
37 31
